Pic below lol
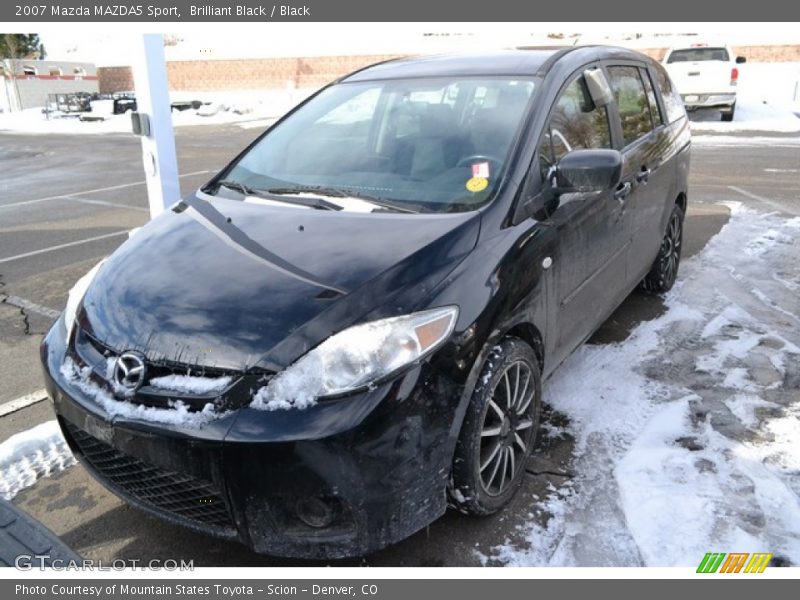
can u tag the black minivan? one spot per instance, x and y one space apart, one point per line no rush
348 327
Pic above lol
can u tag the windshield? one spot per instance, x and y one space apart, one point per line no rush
698 54
432 145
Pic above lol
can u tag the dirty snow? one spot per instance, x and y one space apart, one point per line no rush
27 456
191 384
178 414
686 434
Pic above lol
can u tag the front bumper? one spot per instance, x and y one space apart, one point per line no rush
695 101
379 461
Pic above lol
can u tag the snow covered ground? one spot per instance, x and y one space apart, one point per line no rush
685 434
29 455
246 108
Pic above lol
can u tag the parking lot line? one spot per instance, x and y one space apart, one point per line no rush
61 246
93 191
30 306
778 205
19 403
105 203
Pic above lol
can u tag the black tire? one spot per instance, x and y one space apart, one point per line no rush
728 115
664 271
498 435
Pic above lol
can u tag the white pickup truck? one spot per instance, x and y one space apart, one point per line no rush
706 76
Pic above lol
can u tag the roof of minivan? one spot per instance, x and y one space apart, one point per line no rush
519 62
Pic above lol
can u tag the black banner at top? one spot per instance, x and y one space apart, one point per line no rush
176 11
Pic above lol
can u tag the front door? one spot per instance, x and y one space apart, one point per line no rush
588 263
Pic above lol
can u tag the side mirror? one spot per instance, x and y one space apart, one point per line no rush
740 60
598 87
578 171
588 171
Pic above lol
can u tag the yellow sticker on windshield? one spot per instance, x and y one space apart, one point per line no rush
477 184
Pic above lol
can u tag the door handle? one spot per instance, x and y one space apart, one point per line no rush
622 191
643 175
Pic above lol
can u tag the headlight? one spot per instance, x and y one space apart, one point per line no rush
76 295
358 357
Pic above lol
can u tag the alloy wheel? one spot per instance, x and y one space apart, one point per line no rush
507 428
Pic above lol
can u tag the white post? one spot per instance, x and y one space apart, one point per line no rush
158 148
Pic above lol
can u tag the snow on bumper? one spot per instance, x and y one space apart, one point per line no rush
342 478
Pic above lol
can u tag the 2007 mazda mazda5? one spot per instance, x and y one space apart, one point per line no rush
347 328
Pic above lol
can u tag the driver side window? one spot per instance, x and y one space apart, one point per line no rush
575 123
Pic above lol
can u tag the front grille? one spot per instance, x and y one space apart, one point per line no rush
158 368
94 353
195 502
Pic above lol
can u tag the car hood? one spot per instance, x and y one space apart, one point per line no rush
231 284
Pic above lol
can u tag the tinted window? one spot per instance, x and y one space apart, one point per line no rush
634 109
698 54
673 103
575 123
418 142
655 111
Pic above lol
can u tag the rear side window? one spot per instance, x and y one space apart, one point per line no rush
634 109
698 54
673 104
655 111
575 123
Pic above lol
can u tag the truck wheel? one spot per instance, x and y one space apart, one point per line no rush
664 271
499 429
728 114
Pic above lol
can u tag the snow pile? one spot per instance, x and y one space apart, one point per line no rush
685 433
177 414
191 384
27 456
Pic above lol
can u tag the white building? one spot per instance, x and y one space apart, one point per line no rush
26 83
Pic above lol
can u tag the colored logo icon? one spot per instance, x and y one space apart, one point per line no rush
734 562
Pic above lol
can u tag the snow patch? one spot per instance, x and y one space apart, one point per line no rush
177 414
191 384
685 433
30 455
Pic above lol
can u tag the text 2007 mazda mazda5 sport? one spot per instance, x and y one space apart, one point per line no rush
348 327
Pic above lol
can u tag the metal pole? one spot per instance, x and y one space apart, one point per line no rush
158 148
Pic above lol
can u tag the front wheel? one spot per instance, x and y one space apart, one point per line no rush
499 429
664 271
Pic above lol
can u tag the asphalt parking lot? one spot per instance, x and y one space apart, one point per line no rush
67 201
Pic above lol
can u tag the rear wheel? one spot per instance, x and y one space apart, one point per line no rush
499 429
728 114
664 271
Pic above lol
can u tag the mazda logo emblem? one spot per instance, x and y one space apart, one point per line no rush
129 371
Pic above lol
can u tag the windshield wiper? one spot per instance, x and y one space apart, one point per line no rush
246 190
310 189
337 193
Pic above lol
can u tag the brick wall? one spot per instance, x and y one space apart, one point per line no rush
278 73
115 79
267 73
